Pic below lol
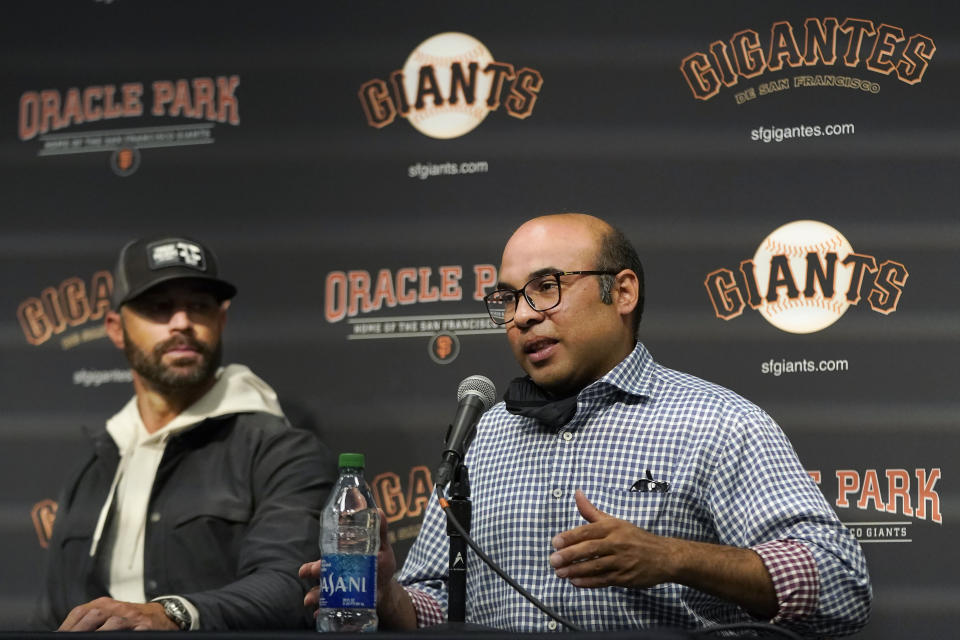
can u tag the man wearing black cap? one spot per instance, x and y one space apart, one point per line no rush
199 499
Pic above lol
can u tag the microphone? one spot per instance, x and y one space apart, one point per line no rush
475 395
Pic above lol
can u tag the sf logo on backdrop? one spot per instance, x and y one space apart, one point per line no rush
803 277
448 86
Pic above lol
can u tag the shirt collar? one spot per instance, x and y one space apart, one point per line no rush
633 376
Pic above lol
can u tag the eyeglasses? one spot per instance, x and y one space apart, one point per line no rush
541 293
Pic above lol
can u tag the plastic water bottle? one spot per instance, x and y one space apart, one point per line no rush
349 541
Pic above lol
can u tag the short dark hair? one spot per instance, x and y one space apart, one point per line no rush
616 254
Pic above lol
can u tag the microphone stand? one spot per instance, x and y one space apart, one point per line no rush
457 509
461 508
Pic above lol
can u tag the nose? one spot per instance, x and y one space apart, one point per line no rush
525 315
180 319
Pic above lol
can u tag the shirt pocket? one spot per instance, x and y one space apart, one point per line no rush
231 513
220 524
77 533
197 532
641 508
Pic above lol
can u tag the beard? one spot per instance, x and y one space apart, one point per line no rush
176 377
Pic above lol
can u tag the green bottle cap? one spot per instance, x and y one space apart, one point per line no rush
355 460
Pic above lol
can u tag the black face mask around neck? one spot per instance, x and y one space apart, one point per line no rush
525 398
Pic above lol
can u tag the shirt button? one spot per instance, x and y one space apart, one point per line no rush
552 625
155 516
152 584
558 493
567 436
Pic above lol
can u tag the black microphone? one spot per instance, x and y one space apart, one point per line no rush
475 395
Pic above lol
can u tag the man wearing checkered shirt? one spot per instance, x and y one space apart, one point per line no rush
621 493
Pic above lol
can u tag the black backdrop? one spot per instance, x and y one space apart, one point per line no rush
273 161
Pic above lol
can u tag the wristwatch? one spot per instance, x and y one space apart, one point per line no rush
177 612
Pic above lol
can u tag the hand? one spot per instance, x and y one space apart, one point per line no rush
386 560
609 552
311 571
107 614
386 567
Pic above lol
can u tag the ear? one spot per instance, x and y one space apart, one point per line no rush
113 323
223 314
626 292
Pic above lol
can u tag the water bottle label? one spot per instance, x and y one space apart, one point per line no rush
348 581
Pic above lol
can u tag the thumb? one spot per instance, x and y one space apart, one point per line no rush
589 512
384 540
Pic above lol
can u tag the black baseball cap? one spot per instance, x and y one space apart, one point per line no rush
145 263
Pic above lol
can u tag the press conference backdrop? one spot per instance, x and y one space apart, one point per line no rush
788 172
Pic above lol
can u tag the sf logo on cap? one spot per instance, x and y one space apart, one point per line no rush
178 252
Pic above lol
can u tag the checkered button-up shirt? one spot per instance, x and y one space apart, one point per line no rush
720 470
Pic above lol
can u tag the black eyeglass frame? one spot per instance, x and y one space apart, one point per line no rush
523 291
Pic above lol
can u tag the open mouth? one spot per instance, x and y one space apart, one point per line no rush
540 349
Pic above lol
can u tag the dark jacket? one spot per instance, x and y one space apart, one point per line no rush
232 515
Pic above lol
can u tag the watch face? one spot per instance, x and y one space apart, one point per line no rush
177 613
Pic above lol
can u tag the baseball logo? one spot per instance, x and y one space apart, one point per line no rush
444 348
795 241
125 161
441 52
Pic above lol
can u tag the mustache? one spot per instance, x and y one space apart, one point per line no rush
179 342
